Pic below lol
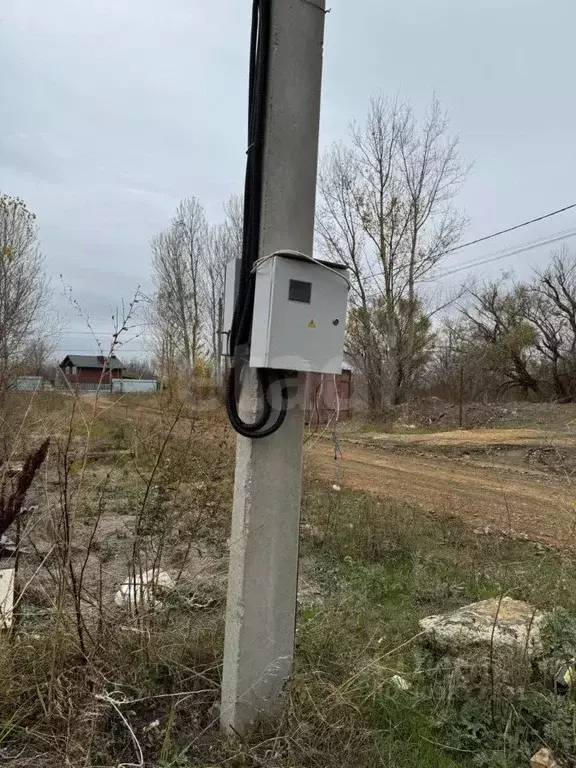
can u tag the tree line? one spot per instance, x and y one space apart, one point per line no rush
512 338
25 327
387 207
185 312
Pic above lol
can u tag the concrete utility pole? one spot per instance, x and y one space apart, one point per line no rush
263 575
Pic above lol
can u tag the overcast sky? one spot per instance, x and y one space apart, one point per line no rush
113 110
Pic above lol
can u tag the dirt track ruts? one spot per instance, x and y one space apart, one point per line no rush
489 497
492 499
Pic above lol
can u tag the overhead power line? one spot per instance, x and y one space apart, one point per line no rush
510 229
109 332
499 255
496 234
62 351
528 246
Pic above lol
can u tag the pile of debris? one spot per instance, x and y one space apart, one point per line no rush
434 413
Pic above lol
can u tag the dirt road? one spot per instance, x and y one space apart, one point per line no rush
476 437
492 498
480 476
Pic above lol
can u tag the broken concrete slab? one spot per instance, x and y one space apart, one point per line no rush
6 597
543 759
143 589
491 641
504 623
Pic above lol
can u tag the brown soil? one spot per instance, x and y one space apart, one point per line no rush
514 481
434 412
519 502
485 437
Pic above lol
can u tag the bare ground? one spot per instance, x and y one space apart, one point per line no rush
474 437
516 482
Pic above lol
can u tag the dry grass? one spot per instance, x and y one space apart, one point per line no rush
138 484
128 487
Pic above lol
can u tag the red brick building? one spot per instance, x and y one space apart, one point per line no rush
90 371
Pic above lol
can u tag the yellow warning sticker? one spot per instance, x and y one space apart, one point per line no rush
311 324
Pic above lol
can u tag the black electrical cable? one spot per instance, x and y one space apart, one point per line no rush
256 429
241 330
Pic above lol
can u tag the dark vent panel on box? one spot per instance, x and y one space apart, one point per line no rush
298 290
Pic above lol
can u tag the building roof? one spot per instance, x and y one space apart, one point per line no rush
93 361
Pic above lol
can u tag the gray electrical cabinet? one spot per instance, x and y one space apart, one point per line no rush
299 314
231 277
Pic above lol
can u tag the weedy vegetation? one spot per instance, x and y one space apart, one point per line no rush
93 676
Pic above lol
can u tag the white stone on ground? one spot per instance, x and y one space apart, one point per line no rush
505 624
6 597
485 648
543 759
143 589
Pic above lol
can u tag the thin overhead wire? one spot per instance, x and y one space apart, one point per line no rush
497 234
506 253
510 229
499 255
92 352
109 332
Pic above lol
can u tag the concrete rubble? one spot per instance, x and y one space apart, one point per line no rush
476 640
490 623
543 759
143 589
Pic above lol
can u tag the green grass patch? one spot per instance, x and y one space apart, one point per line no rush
384 566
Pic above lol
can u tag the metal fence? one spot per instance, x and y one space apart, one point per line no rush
28 383
84 386
135 386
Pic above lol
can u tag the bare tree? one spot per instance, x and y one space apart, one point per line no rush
178 256
514 337
138 368
469 365
165 349
444 370
234 223
188 262
224 244
342 236
171 316
386 210
432 174
24 288
498 326
37 358
553 315
190 230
